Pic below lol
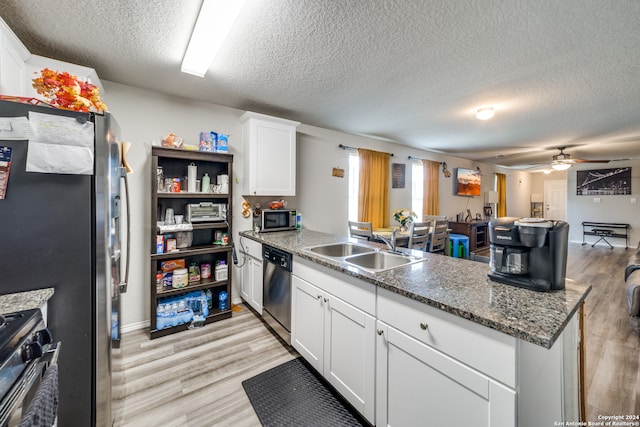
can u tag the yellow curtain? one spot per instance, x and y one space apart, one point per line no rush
502 194
373 194
431 194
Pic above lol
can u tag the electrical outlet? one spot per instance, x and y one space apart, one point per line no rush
596 200
634 200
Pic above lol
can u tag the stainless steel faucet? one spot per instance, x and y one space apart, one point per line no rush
391 244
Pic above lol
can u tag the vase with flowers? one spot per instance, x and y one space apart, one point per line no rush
404 217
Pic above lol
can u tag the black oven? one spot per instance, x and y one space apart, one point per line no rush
28 370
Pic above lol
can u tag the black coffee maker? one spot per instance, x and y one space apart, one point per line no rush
529 252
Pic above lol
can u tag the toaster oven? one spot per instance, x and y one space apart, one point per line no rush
206 212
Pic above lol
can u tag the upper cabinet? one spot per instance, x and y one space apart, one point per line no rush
13 54
269 150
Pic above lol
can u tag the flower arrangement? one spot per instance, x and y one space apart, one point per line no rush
404 216
62 90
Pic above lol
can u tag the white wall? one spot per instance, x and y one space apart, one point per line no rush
610 209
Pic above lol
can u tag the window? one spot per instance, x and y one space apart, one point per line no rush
417 189
354 183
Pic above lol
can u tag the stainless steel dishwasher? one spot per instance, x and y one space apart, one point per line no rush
276 306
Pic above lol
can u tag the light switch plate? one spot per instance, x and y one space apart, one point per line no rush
596 200
634 200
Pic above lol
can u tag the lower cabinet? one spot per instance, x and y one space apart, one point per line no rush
251 283
415 382
338 340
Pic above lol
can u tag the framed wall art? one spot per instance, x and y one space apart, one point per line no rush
604 182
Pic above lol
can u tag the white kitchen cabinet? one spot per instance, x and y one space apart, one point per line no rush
251 284
13 54
336 337
269 150
415 382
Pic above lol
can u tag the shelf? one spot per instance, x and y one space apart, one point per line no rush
214 316
197 286
197 250
187 195
200 226
176 153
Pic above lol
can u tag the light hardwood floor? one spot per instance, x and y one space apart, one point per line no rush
612 374
194 378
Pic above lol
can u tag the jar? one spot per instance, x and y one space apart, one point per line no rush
205 270
180 278
221 271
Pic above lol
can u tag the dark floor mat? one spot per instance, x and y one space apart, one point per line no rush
292 395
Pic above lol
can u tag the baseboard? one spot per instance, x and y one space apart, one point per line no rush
135 326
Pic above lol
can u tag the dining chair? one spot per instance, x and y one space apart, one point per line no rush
435 217
360 230
419 235
439 236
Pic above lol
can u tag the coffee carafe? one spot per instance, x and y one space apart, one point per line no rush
529 252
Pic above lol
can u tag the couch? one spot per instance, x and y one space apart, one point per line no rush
632 280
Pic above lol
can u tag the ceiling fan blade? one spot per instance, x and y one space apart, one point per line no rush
589 161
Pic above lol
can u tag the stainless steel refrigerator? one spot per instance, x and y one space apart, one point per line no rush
62 230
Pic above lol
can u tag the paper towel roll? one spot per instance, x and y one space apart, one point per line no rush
192 173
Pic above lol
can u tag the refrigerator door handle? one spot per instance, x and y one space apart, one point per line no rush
124 283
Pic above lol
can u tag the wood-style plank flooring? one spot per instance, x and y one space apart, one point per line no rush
194 378
612 374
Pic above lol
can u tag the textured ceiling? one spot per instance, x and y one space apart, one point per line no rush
560 73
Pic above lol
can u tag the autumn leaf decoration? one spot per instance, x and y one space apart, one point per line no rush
62 90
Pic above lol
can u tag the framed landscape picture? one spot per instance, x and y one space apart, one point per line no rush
604 182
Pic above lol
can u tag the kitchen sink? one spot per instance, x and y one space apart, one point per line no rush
340 250
380 261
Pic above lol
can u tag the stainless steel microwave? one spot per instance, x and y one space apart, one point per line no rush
277 220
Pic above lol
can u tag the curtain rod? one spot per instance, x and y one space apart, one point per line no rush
346 147
418 158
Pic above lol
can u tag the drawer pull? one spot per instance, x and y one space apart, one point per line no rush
380 331
424 326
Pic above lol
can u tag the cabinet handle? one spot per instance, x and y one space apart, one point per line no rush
319 296
379 331
424 326
326 300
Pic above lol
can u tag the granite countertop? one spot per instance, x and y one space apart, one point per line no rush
20 301
458 286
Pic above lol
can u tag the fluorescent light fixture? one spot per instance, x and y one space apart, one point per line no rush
561 166
485 113
212 27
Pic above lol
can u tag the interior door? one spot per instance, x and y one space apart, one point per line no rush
555 200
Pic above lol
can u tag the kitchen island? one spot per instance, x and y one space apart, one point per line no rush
438 336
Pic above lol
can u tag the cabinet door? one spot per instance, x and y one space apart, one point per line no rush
255 299
307 323
246 283
272 158
349 354
416 383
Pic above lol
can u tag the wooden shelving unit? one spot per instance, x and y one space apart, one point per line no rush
174 163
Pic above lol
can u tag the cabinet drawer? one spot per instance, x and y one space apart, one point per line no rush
356 292
251 247
485 349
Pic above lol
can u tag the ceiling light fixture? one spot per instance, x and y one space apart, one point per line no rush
560 166
485 113
212 27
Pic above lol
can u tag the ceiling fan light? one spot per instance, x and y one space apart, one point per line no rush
561 166
485 113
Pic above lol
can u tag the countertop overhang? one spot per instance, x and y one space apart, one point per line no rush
20 301
457 286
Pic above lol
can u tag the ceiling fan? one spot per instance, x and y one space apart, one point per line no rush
563 161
